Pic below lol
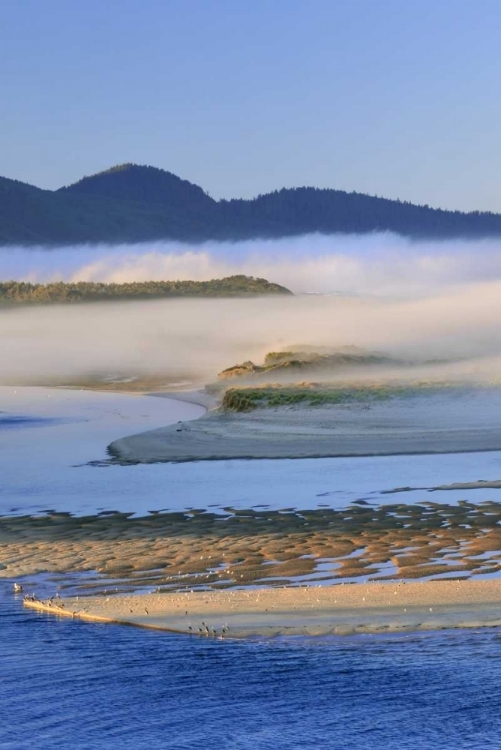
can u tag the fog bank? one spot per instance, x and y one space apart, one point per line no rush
194 339
411 300
379 264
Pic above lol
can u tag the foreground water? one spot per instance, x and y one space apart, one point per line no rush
85 685
49 436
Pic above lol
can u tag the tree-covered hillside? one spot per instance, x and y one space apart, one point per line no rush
19 292
131 203
306 210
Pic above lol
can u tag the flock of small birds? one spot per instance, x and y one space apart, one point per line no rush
210 632
57 603
54 602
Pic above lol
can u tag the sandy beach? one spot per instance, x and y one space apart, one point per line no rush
419 424
336 610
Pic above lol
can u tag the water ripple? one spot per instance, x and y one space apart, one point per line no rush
104 686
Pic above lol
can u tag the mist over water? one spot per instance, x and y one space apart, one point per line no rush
376 264
380 292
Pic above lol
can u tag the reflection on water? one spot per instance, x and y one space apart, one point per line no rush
47 468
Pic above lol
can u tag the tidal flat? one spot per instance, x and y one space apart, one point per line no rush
372 535
184 550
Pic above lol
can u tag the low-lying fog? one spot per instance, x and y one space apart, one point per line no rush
188 338
378 264
418 301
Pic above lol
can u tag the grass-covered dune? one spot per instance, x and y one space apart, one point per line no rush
248 398
20 292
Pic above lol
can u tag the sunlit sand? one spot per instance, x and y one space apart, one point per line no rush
336 610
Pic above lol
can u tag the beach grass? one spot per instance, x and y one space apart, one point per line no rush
248 398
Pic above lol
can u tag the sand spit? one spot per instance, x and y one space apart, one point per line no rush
337 610
431 423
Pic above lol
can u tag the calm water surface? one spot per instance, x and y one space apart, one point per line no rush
49 436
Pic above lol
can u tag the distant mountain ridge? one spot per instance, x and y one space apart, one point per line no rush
133 203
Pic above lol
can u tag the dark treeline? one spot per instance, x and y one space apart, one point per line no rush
306 210
20 292
131 203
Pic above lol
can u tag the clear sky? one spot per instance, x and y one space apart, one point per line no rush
390 97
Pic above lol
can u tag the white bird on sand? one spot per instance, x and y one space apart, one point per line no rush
17 588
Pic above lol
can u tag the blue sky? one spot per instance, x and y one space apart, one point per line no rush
388 97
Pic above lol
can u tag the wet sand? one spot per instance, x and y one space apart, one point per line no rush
419 424
336 610
193 549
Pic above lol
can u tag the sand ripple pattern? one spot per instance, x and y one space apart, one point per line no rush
199 549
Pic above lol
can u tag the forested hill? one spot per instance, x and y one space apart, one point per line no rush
19 292
131 203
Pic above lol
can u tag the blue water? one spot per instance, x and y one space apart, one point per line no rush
45 464
12 421
83 685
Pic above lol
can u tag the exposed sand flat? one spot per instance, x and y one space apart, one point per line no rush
339 610
481 484
266 548
469 421
494 484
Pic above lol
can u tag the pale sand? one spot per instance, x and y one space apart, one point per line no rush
337 610
422 424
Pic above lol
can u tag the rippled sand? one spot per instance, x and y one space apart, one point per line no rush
170 551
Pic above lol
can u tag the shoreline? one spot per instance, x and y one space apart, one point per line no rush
195 395
417 426
391 607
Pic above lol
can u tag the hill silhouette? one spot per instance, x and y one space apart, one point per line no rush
132 203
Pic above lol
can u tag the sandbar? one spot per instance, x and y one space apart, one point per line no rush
416 425
308 611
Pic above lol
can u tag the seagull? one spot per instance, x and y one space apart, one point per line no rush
17 588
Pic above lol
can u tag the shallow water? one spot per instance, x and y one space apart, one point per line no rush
87 685
44 464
